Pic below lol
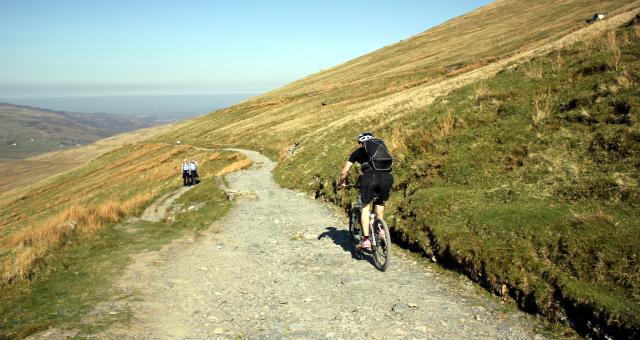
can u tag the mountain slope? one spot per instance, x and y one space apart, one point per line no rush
21 174
35 131
397 78
523 173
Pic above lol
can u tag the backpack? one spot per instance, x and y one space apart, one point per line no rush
380 158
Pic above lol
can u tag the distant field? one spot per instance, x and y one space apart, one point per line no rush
21 173
27 131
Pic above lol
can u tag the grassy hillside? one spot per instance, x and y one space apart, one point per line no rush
396 79
120 183
35 131
62 240
20 175
523 173
527 182
82 276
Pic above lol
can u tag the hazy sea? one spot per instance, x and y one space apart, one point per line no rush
169 107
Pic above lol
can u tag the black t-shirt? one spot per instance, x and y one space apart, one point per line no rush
359 155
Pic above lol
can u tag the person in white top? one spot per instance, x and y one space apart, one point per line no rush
186 178
193 167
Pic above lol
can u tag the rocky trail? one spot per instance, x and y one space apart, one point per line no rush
279 265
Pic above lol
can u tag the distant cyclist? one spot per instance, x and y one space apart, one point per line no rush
375 163
186 177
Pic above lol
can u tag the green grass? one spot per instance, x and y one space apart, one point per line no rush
535 184
82 275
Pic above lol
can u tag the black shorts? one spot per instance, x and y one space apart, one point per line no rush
375 182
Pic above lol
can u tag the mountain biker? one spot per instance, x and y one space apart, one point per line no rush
372 181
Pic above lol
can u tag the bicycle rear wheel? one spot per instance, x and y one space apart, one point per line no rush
382 250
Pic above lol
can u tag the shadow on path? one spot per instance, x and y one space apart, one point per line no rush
342 238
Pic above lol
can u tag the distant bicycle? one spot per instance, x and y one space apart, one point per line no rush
378 231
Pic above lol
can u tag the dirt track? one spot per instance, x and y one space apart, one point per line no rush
157 211
279 265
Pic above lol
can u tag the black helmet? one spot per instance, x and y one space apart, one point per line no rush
365 136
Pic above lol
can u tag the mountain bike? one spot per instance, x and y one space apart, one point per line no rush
378 234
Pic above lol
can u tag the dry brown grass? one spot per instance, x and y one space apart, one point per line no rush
110 212
86 201
160 165
18 175
558 63
636 30
283 150
31 245
142 151
481 91
542 105
589 43
625 39
591 218
615 49
466 68
398 142
242 164
535 72
404 86
424 139
138 201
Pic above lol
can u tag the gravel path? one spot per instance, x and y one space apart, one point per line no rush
279 265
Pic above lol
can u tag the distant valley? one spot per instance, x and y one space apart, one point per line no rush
27 131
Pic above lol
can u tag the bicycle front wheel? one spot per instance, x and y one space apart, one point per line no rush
382 249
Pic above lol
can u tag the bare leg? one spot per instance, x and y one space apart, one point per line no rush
380 212
364 219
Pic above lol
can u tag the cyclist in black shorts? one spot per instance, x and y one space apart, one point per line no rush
371 181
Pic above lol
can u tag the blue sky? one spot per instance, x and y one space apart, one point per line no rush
86 47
